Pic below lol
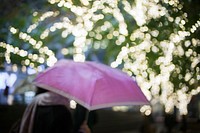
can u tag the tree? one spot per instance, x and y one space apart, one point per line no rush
155 41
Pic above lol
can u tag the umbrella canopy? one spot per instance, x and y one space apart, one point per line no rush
93 85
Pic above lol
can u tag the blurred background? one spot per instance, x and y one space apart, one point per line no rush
156 42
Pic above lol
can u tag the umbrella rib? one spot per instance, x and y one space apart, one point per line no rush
93 92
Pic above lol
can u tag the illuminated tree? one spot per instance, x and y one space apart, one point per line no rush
152 40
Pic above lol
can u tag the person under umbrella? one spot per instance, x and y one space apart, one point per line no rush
49 113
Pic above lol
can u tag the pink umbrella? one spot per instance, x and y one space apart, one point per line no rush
92 85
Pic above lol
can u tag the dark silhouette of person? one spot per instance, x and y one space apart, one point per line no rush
183 127
170 122
6 91
48 113
81 114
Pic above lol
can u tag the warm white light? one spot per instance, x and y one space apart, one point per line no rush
73 104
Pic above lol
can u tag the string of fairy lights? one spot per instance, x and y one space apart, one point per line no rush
38 45
134 56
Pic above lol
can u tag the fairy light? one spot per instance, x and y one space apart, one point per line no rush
120 108
146 110
51 60
72 104
13 30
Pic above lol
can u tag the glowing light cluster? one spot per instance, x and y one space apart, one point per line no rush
15 50
51 59
195 26
86 18
41 19
136 61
